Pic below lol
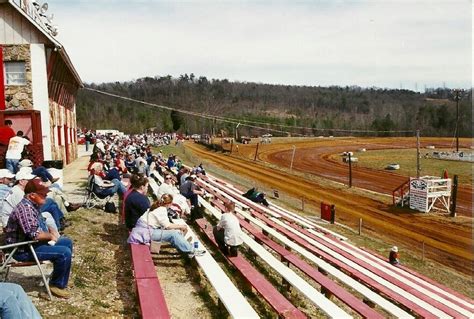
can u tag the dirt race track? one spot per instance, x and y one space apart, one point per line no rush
448 241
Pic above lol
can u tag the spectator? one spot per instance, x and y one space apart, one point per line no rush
256 196
191 191
88 138
227 232
6 178
16 194
6 132
137 203
394 257
162 229
15 148
39 171
107 188
15 303
183 174
180 204
25 223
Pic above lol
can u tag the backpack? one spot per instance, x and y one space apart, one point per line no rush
110 208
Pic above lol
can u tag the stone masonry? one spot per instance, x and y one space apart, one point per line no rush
19 97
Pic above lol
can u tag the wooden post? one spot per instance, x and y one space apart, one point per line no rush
350 170
454 195
292 158
423 251
256 152
360 226
231 145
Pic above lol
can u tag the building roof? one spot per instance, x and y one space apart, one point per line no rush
26 9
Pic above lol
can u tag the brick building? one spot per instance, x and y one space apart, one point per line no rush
39 84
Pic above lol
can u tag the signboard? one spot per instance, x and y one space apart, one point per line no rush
419 194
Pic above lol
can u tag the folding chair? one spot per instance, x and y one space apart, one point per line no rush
7 261
91 199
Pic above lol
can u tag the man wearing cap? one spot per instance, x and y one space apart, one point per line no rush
26 223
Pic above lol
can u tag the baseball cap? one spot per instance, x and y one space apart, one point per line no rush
24 173
36 186
25 163
5 173
395 249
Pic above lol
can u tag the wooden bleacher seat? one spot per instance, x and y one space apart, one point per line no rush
266 290
150 294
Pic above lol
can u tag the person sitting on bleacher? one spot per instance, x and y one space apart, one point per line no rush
394 257
155 225
227 232
256 196
191 191
25 223
136 203
180 204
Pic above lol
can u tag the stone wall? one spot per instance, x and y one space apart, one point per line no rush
19 97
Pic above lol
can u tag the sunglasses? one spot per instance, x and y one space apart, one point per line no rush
169 178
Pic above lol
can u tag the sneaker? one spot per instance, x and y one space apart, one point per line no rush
196 253
60 293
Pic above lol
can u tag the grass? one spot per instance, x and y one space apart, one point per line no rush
407 160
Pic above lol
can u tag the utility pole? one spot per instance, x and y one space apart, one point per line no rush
418 168
457 95
256 152
292 158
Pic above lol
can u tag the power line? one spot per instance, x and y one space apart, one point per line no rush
243 121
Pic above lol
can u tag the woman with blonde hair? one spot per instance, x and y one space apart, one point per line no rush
159 228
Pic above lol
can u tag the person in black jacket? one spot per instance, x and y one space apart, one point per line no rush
136 203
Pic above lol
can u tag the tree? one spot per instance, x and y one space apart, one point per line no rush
177 120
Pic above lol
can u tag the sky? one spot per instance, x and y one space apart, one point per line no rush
387 44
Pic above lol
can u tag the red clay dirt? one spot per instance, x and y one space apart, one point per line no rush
447 242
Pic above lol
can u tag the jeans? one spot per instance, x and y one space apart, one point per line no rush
15 303
60 255
43 173
51 207
12 165
109 191
87 146
174 237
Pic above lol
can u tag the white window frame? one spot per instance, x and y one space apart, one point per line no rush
15 72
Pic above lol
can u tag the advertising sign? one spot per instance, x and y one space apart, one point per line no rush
418 194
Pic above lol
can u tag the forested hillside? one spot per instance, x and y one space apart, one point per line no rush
322 110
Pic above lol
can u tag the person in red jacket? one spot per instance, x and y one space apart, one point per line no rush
6 132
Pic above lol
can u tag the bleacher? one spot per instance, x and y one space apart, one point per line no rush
362 282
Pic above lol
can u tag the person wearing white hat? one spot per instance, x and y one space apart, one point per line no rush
6 178
394 257
16 193
39 171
